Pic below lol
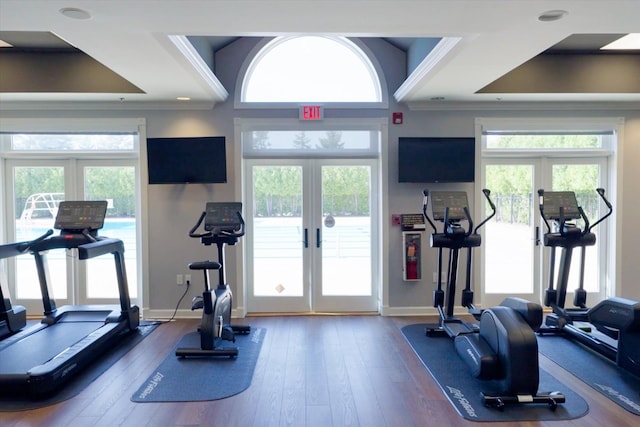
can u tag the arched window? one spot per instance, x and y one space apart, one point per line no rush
321 69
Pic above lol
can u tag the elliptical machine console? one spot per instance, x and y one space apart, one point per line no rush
223 225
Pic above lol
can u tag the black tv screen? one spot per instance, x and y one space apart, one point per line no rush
431 159
186 160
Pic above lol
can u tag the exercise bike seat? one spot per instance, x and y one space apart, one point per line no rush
204 265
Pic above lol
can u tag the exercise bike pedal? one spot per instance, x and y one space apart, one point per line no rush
228 334
197 303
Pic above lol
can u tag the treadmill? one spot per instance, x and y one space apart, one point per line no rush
13 317
68 338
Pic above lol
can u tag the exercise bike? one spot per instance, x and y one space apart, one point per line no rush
223 225
503 346
618 319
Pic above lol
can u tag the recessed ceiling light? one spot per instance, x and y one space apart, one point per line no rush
183 98
628 42
552 15
5 44
75 13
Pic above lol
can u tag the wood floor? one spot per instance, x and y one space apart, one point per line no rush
312 371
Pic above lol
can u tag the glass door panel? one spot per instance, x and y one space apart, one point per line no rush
344 239
311 231
37 192
116 185
278 238
508 246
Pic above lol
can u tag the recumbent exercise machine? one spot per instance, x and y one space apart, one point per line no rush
223 225
503 346
618 319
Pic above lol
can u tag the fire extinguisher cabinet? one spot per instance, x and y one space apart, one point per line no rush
412 257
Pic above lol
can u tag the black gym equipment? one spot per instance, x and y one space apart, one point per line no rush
223 225
503 347
68 338
562 208
617 319
14 317
451 208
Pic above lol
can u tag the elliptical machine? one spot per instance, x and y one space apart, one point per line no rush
617 318
562 208
223 225
451 208
503 347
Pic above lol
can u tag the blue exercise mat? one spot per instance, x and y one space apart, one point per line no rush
464 391
190 379
618 385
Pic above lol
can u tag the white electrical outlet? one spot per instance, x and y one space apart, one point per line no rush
179 279
187 278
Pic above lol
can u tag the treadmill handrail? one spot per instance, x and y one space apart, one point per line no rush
100 247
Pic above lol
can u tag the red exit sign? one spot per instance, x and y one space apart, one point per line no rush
311 112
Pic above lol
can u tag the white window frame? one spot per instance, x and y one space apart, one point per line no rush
71 125
611 151
352 43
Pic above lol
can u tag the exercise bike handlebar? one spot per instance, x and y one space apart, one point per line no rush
192 232
226 233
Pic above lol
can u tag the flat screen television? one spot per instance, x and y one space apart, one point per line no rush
433 159
187 160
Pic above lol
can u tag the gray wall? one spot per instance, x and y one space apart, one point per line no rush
172 210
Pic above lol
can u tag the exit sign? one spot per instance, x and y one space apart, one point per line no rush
311 112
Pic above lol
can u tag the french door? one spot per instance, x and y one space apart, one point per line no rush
515 261
35 189
312 239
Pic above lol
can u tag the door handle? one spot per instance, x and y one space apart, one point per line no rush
306 238
537 235
318 238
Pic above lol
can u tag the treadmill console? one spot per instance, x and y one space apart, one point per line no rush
81 215
223 216
456 201
555 202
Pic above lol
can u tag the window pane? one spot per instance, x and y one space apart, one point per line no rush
310 143
75 142
547 141
311 69
117 186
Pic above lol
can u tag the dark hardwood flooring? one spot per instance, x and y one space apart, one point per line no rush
312 371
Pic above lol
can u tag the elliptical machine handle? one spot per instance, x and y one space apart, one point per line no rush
487 194
600 192
541 208
425 202
192 232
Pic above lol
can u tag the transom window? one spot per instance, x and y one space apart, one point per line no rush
311 69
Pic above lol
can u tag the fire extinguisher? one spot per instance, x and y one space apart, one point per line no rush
412 261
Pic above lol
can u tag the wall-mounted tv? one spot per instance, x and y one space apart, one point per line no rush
432 159
186 160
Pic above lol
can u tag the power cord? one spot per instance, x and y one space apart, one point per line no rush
184 294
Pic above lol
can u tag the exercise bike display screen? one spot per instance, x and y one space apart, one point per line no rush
456 201
81 215
555 202
222 216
